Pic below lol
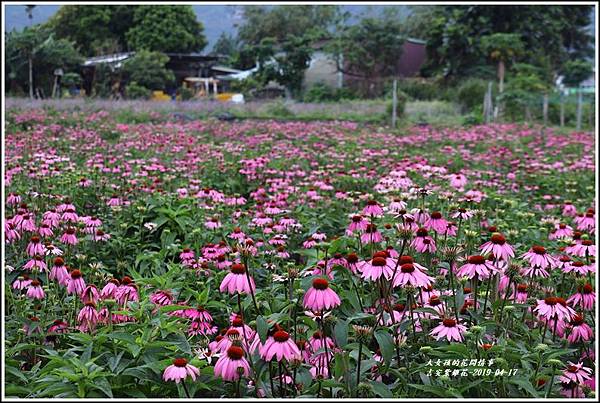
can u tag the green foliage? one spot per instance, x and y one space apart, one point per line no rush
576 71
166 29
94 29
245 86
369 50
186 93
137 91
321 92
46 53
71 80
225 45
471 92
279 110
148 69
502 46
419 89
453 32
402 98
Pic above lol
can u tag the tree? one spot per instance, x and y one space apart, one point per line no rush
575 72
148 70
283 22
166 29
524 88
502 48
453 33
279 39
226 45
94 29
38 49
369 50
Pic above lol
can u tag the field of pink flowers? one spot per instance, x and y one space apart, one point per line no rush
270 259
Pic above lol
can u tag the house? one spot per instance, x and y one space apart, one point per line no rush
183 65
323 69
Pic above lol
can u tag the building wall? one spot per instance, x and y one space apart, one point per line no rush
322 69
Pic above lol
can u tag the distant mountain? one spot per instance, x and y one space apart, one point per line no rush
216 19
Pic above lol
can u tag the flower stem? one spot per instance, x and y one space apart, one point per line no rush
358 366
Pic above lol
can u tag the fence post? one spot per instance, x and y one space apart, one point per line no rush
394 104
562 109
487 104
579 107
545 109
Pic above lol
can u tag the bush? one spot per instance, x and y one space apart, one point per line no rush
245 86
279 110
471 92
148 70
323 93
136 91
402 99
418 89
186 93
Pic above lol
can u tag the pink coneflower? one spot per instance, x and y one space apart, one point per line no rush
35 290
423 242
203 328
88 317
569 209
59 272
575 373
69 237
477 265
535 271
21 282
371 235
320 297
237 281
580 331
227 365
180 370
552 308
161 298
561 231
585 297
237 234
498 247
373 209
436 222
357 223
397 205
186 254
70 216
458 181
114 201
52 250
462 214
89 294
35 247
212 223
100 236
45 231
537 256
585 248
521 295
410 275
586 222
449 329
281 347
126 292
58 327
13 199
380 265
76 283
318 341
10 232
352 262
109 290
36 263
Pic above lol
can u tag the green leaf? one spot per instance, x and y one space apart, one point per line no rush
341 333
262 327
525 384
381 389
386 345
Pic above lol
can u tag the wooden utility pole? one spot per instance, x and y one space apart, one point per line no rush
487 104
394 104
579 107
562 109
545 109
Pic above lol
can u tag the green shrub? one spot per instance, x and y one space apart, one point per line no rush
401 108
148 69
186 93
279 110
418 89
471 92
323 93
245 86
136 91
